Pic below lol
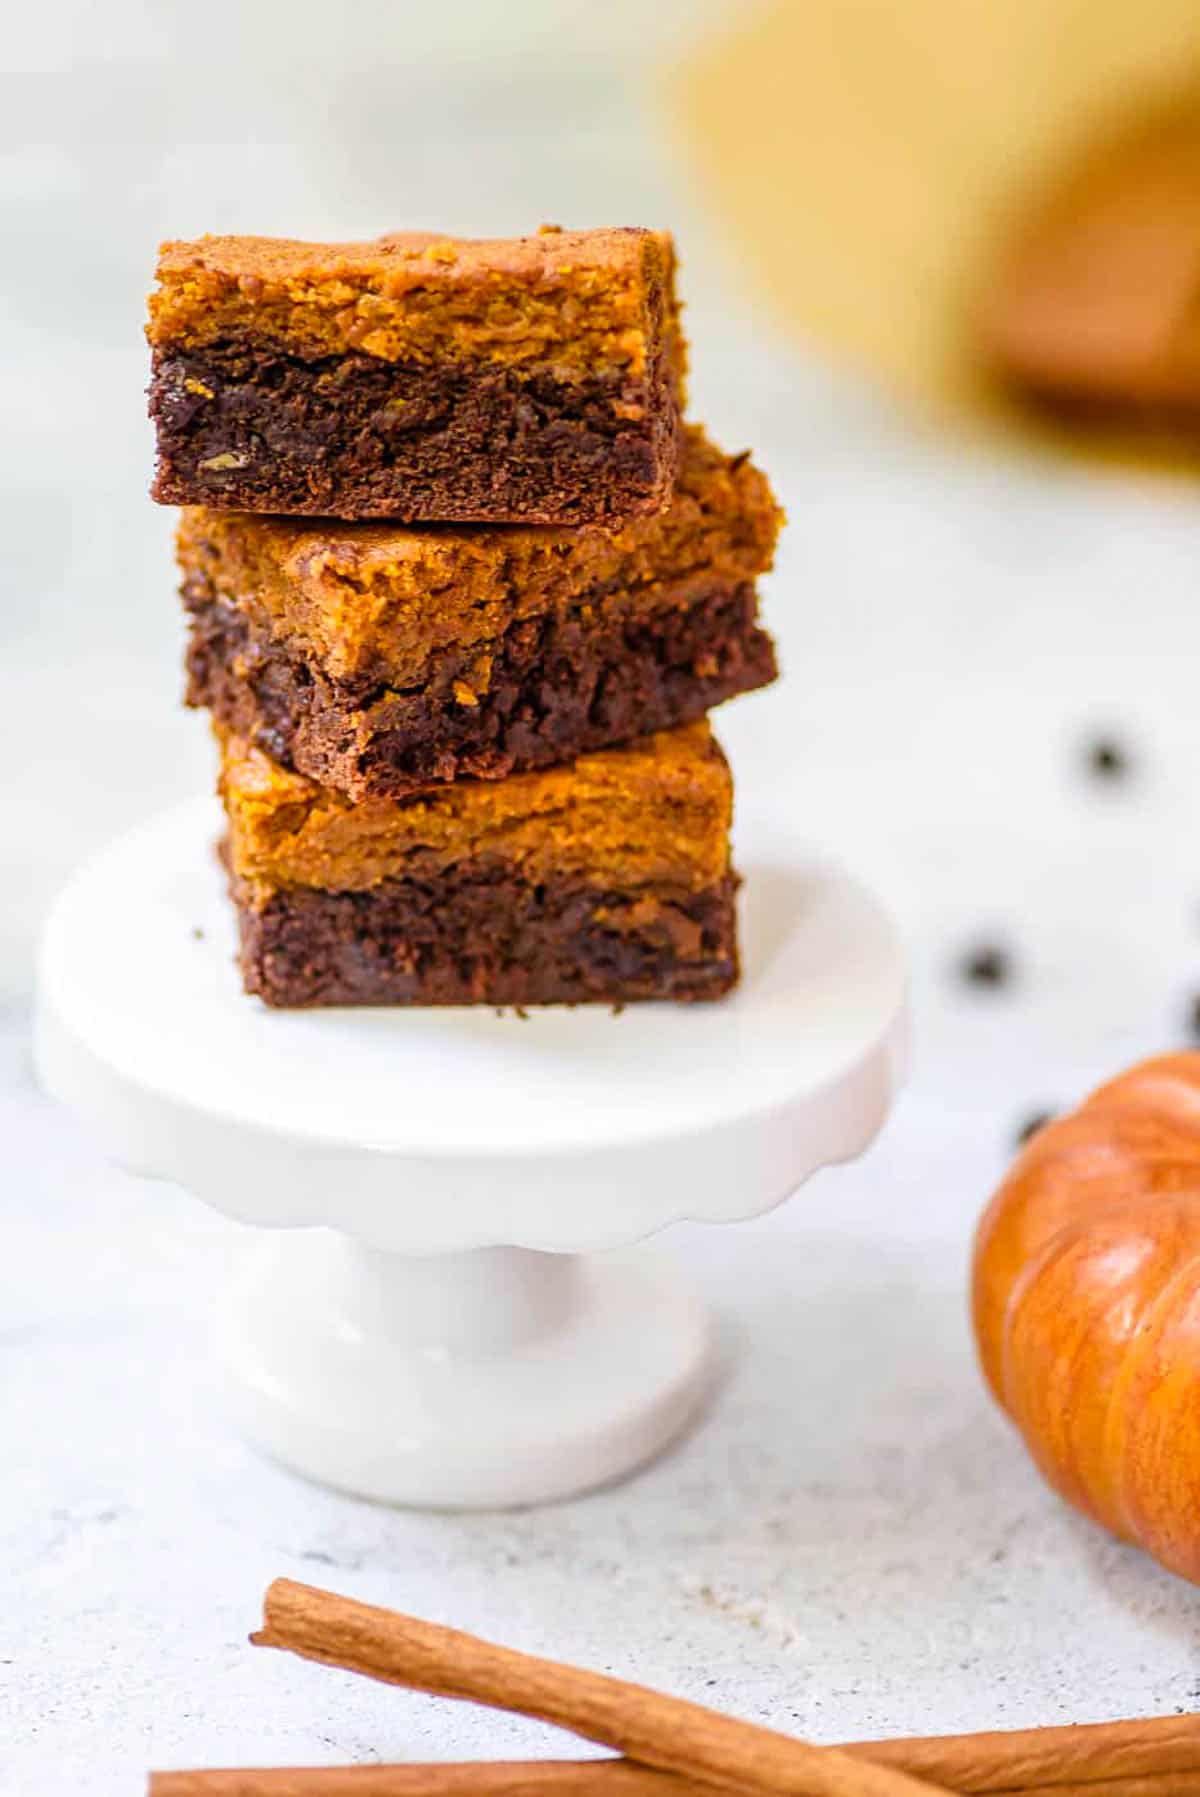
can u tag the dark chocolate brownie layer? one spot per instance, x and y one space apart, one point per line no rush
479 934
246 426
559 686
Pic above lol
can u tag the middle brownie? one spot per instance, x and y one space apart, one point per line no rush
381 660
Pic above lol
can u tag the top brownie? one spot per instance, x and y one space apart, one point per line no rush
421 378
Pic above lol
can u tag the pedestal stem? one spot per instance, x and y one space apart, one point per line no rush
475 1302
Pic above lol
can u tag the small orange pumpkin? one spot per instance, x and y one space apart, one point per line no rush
1086 1297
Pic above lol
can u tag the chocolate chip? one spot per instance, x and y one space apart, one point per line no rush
1033 1122
1107 758
987 964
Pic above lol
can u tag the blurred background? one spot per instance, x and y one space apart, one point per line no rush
988 710
958 619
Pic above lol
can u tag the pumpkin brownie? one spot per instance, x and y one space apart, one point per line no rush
606 880
535 379
381 659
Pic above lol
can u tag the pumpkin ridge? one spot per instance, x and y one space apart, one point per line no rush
1063 1411
1119 1162
1130 1370
1079 1227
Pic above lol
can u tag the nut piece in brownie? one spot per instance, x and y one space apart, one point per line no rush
535 379
607 880
383 660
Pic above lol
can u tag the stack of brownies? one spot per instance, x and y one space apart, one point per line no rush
462 588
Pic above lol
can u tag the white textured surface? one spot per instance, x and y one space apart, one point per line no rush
851 1545
855 1543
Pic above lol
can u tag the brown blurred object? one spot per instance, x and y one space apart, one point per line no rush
873 164
1096 303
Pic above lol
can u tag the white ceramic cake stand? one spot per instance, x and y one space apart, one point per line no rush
450 1334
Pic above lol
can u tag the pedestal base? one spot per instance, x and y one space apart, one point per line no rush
491 1378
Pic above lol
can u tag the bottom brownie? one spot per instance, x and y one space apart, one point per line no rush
481 935
607 879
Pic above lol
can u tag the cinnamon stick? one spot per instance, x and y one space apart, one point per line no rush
655 1730
1026 1758
538 1778
554 1778
1163 1784
1151 1757
1031 1758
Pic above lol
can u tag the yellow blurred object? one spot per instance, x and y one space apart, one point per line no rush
872 162
1094 302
